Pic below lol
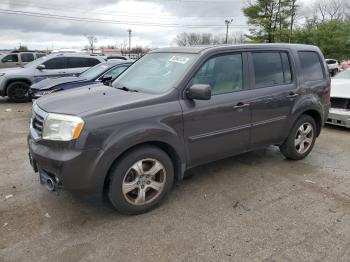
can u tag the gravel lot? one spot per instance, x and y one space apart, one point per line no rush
254 207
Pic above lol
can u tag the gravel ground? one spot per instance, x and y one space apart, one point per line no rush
253 207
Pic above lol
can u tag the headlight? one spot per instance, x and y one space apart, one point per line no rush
62 127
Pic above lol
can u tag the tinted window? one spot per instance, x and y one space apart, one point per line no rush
27 57
271 68
10 58
223 73
311 66
55 63
115 72
89 62
77 62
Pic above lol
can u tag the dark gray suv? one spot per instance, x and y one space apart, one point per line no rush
175 109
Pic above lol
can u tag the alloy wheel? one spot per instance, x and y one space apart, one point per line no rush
304 138
144 181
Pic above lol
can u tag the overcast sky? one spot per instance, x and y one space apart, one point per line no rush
153 23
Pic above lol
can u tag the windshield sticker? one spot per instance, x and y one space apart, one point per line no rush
179 59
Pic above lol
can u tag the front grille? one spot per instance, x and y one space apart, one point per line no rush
38 123
38 118
343 103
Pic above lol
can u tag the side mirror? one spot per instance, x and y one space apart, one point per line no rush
199 92
41 67
106 79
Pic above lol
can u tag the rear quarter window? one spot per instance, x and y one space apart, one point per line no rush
311 66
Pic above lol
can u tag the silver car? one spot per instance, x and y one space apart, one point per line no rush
17 59
339 113
15 82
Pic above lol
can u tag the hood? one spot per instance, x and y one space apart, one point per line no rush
52 82
340 88
89 100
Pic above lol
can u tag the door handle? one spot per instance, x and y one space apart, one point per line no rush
292 95
240 106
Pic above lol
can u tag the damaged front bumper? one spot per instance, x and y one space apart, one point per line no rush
339 117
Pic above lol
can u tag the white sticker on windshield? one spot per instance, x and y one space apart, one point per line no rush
179 59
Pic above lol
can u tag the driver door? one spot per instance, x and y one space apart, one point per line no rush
219 127
54 67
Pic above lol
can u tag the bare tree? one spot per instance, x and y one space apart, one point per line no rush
92 40
332 10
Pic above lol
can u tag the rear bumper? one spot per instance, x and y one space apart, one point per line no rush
339 117
75 170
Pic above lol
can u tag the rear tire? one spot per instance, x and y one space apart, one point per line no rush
301 139
140 180
18 92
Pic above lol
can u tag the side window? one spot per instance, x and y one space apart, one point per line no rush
115 72
311 66
90 62
271 68
27 57
77 62
55 63
223 73
10 58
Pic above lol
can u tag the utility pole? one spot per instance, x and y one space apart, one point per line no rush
227 22
129 31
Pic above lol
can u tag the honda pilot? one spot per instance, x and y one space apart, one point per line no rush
174 109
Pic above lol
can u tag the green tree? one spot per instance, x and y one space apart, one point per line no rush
333 37
23 48
271 20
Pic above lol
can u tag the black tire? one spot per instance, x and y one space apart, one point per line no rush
289 149
18 92
120 171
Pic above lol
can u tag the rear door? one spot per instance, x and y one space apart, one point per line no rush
26 58
274 92
218 127
77 65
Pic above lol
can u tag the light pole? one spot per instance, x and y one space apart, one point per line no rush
129 31
227 22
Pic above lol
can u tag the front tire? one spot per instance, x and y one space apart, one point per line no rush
301 139
140 180
18 92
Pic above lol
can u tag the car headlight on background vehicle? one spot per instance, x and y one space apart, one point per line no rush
62 127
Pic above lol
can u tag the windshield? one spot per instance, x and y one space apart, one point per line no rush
37 62
95 71
155 73
343 75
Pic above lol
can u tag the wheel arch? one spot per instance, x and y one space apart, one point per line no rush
10 81
178 163
316 116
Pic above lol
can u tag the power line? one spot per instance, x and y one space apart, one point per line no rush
105 21
71 9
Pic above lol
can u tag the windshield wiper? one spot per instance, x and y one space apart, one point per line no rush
126 89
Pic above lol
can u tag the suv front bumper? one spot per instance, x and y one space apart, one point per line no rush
74 170
339 117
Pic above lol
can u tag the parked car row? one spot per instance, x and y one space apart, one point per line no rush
174 109
15 82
